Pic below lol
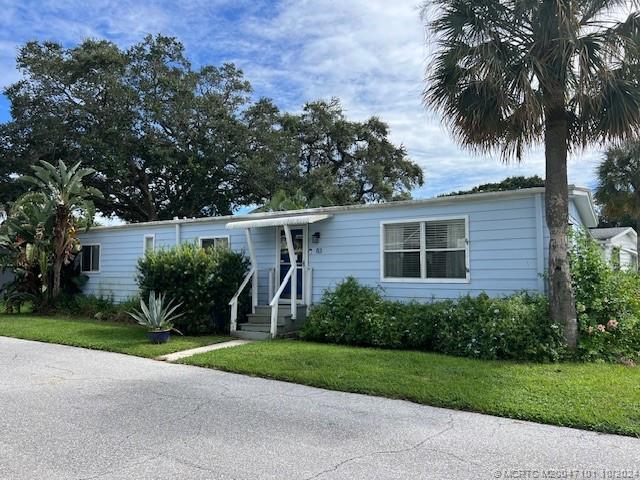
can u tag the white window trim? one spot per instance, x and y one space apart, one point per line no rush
152 236
215 237
423 251
91 272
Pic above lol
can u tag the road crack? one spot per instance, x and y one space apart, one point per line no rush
415 446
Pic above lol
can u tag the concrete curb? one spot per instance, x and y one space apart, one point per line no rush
175 356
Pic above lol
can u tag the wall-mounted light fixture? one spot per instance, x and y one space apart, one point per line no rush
315 238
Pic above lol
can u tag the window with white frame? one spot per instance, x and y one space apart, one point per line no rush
425 249
90 258
219 241
149 243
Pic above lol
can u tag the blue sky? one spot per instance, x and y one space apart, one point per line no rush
369 53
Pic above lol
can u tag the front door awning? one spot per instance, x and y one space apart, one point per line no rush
278 221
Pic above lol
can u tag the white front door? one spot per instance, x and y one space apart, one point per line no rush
299 237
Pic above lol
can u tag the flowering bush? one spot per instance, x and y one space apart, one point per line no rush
607 303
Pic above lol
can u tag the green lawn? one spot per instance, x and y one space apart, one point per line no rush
599 397
114 337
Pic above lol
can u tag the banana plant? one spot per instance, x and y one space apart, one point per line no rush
64 188
25 248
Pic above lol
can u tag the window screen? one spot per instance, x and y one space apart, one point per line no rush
428 249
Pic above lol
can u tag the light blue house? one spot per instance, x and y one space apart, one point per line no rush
428 249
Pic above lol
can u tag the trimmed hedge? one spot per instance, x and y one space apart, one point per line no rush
514 327
202 279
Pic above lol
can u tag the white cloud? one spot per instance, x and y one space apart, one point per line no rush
369 53
372 55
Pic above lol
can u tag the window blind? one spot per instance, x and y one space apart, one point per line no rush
430 249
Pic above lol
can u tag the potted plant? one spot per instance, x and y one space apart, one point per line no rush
157 317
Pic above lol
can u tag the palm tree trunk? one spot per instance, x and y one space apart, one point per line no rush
561 300
59 246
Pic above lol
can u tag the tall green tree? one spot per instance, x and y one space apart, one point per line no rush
167 139
618 190
348 162
321 154
64 189
164 138
507 74
509 183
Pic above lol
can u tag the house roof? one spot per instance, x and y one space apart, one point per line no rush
277 221
604 234
580 195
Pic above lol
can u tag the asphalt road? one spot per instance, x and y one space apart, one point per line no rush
69 413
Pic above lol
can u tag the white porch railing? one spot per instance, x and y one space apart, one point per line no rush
290 278
307 294
307 275
253 275
294 285
275 301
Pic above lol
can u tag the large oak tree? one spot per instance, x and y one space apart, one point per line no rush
329 159
162 136
167 139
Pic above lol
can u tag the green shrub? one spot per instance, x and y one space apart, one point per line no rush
91 306
351 314
514 327
412 325
203 280
607 303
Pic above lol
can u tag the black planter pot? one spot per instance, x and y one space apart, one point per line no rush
159 337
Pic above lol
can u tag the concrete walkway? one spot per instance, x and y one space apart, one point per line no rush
174 357
71 413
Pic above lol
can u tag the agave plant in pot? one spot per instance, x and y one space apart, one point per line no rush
157 317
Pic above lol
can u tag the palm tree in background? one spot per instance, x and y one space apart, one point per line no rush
282 201
618 190
509 74
64 188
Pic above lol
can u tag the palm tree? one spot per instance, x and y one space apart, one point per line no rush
64 188
508 74
282 201
618 190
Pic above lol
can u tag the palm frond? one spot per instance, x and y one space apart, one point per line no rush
495 61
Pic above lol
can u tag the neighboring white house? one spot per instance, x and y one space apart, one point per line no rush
619 245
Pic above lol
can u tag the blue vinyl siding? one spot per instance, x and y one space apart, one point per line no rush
5 277
120 250
574 219
504 248
122 247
